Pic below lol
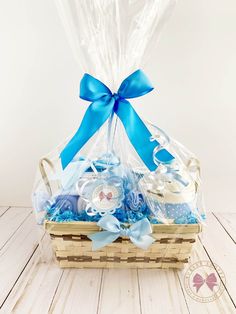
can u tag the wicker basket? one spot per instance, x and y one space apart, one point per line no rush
72 247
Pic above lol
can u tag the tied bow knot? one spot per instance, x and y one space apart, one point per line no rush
211 281
124 232
138 233
116 96
103 104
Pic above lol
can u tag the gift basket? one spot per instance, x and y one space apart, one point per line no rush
120 192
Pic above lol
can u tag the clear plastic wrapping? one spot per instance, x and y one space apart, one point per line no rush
107 175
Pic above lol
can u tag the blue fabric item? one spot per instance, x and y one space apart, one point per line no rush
187 219
138 233
104 103
135 202
66 203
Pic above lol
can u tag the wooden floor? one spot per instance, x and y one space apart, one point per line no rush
29 285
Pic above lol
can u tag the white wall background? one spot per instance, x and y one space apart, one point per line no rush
193 69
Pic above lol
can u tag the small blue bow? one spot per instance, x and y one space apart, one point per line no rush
138 233
104 103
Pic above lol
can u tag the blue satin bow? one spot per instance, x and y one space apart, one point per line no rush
138 233
104 103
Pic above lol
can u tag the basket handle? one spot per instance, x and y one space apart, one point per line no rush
44 175
195 164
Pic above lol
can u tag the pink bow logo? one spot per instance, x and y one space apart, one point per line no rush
210 280
107 196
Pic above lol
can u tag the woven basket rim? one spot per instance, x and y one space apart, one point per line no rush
89 227
92 223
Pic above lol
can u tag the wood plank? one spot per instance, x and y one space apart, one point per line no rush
78 292
3 210
15 255
228 221
120 287
222 251
16 293
221 305
39 291
161 292
10 221
36 287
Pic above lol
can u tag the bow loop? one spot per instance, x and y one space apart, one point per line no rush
109 223
92 89
135 85
140 228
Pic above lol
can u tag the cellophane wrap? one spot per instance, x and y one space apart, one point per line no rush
111 40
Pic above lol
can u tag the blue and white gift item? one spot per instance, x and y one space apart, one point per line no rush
67 203
103 195
135 201
172 203
116 164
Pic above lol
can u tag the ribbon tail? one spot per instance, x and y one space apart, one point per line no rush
140 136
198 285
93 119
102 238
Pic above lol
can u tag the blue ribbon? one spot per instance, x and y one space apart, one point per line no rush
172 174
104 103
138 233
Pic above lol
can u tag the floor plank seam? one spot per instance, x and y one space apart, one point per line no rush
12 235
223 227
139 292
5 211
26 279
19 206
17 279
100 292
182 288
219 276
51 304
